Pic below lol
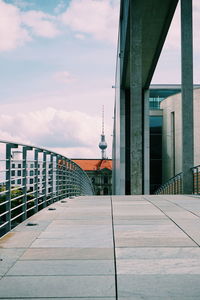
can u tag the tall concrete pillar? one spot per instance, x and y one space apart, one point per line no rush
146 143
136 122
187 95
122 142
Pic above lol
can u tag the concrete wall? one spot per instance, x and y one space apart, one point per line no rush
172 154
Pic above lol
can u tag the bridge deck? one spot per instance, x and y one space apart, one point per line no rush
143 247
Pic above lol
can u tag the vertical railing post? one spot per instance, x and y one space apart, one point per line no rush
36 179
57 178
24 180
50 176
8 184
44 179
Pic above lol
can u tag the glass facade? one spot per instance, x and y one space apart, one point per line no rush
155 152
159 93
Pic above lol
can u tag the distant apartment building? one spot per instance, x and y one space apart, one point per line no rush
17 172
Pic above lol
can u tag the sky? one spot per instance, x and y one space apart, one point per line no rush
57 61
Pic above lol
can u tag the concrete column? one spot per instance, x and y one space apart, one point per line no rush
136 127
146 142
187 95
122 142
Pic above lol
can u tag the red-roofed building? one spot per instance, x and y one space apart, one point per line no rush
100 173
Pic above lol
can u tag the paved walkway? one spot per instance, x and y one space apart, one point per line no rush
105 248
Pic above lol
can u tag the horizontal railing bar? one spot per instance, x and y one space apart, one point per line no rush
4 224
15 217
4 213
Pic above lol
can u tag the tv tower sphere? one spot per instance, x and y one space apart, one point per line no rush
103 145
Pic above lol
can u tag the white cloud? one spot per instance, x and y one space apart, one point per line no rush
80 36
75 132
94 17
41 24
12 34
17 27
63 76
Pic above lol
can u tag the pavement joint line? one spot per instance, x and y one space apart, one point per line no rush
114 250
168 200
172 220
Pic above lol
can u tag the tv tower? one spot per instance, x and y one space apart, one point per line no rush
103 144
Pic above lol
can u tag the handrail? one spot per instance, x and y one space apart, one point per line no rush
34 179
172 186
196 179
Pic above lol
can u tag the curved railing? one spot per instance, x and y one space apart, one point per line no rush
173 186
31 178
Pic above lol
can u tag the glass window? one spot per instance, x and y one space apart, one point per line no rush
156 124
31 173
13 166
19 173
18 181
12 173
31 180
19 166
105 180
105 191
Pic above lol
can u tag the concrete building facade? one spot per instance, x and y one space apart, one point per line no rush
141 38
172 135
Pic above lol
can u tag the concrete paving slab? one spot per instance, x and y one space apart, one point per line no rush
62 267
158 266
93 242
158 253
68 298
106 221
18 239
7 259
57 286
159 286
67 253
41 225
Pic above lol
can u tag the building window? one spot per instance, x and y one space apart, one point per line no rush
13 166
105 179
18 181
105 191
19 173
19 166
31 173
12 173
31 181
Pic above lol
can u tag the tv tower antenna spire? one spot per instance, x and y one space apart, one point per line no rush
103 144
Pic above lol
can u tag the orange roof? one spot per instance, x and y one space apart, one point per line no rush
94 164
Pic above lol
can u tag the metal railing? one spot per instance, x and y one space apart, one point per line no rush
196 179
32 178
173 186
